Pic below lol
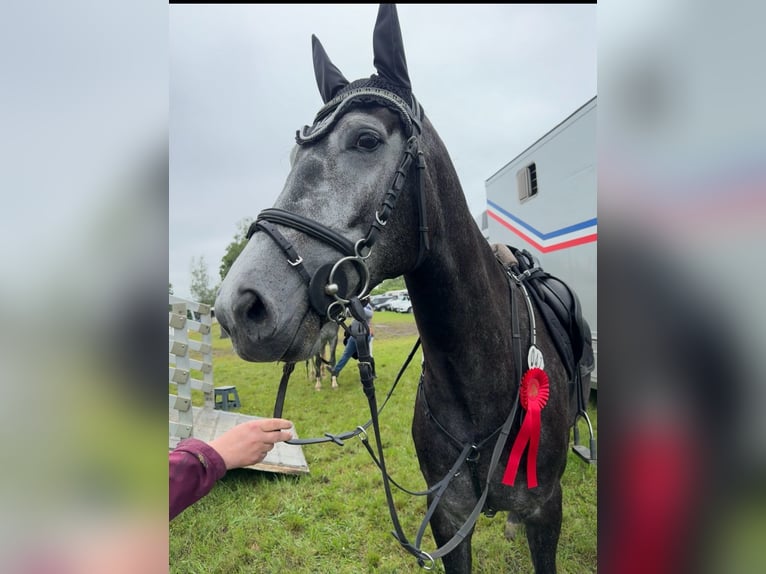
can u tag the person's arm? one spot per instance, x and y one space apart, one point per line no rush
195 467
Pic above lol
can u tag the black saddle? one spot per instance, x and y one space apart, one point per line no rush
560 309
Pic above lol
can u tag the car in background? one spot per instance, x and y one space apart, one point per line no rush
387 305
402 305
379 302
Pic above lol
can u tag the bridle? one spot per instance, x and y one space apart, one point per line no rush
328 290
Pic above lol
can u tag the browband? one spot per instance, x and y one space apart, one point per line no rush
335 108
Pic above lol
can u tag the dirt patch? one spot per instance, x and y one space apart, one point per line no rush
393 330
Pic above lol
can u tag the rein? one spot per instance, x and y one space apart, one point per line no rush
427 559
359 330
340 437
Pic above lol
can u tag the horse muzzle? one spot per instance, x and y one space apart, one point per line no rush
263 328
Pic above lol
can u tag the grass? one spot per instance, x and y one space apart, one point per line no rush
336 519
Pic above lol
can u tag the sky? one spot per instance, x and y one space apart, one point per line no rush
492 78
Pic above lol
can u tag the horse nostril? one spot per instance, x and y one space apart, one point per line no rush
252 308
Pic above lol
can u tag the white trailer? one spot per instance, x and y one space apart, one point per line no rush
544 201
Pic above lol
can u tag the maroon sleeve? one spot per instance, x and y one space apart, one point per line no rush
195 467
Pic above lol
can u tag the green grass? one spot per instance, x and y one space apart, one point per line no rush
335 519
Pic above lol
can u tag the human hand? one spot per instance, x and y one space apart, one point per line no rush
248 443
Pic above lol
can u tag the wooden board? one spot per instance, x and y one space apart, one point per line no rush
212 423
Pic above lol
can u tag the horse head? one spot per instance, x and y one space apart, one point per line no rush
354 209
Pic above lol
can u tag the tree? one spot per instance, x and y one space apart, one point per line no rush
235 247
200 283
394 284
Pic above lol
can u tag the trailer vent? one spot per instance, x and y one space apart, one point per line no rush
526 180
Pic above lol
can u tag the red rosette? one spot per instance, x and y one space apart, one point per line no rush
533 394
534 389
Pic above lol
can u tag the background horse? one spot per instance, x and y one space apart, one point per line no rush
325 355
372 193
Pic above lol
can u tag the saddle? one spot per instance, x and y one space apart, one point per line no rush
559 307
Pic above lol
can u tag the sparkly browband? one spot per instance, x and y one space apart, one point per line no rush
335 108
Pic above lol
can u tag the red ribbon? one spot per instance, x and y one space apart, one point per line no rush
533 393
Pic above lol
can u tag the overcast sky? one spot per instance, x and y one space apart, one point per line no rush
492 78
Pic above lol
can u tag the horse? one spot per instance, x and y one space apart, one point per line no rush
371 194
325 354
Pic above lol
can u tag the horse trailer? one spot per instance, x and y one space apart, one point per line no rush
544 201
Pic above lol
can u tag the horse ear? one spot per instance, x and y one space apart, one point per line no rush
388 47
330 80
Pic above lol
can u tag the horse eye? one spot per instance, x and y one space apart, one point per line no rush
368 141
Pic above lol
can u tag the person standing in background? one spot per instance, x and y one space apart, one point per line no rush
350 349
